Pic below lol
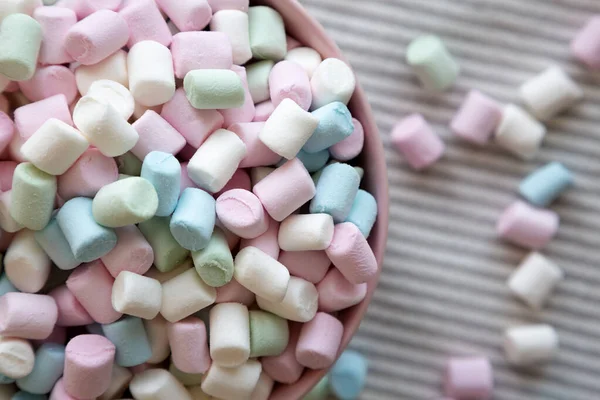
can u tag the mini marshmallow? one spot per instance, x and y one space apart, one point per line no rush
519 133
267 33
168 254
130 340
216 50
246 112
307 58
234 23
214 263
125 202
350 147
269 334
150 67
84 8
189 15
229 334
333 80
96 37
156 134
253 268
284 367
70 310
477 118
119 382
309 265
7 171
49 81
263 388
267 242
115 94
348 375
214 88
26 264
112 68
193 221
288 80
527 226
586 46
432 62
27 316
336 293
29 118
157 332
363 213
335 192
33 195
47 370
257 153
218 5
163 171
7 222
52 240
350 252
16 357
155 384
189 346
145 23
530 344
545 184
87 176
232 292
184 295
258 74
263 111
55 23
469 377
241 212
306 232
313 161
319 341
414 138
534 280
216 160
136 295
232 383
550 93
299 304
20 42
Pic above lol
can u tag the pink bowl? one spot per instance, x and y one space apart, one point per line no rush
300 25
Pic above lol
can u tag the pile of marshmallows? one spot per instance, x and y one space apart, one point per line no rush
146 218
526 223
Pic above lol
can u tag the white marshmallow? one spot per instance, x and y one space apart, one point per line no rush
549 93
157 332
119 382
304 232
299 304
257 174
261 274
217 159
54 147
234 23
18 6
14 148
104 126
16 357
333 80
151 74
113 68
530 344
298 125
26 264
534 280
232 383
157 384
162 277
184 295
229 334
7 222
136 295
519 133
114 94
263 388
309 59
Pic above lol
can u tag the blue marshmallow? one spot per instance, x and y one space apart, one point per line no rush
313 161
28 396
130 339
363 212
164 173
194 218
348 376
88 240
6 286
545 184
55 244
47 370
335 125
336 190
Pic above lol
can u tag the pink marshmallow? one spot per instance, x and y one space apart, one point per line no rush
586 45
257 153
4 104
218 5
29 118
336 293
234 292
195 125
200 50
477 118
70 310
90 173
91 284
469 378
50 81
244 113
55 23
186 182
308 265
284 368
350 147
96 37
350 252
288 80
263 111
27 316
267 242
7 130
14 149
12 87
83 8
132 253
414 138
319 341
58 336
88 366
189 345
242 213
145 22
239 180
292 43
285 190
156 134
187 15
527 226
59 392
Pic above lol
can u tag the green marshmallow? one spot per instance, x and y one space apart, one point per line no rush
209 89
269 334
432 62
257 75
168 254
214 263
125 202
185 378
267 33
129 164
320 391
20 41
33 196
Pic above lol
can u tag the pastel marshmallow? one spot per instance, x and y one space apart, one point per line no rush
234 23
193 221
84 8
414 138
26 264
363 213
112 68
7 171
214 89
335 192
216 54
349 375
185 295
232 383
20 42
306 232
33 195
332 81
350 252
319 341
267 242
263 111
519 133
115 94
267 33
258 75
234 292
242 213
534 280
156 134
257 174
351 146
151 76
16 357
229 334
239 180
218 5
336 293
545 184
477 118
530 344
7 222
47 370
119 382
129 164
188 15
431 61
131 342
163 171
253 268
168 254
469 377
527 226
269 334
154 384
27 316
258 154
214 263
285 368
585 45
299 304
29 118
145 23
244 113
136 295
70 310
189 345
288 80
309 265
49 81
125 202
307 58
263 388
157 332
87 175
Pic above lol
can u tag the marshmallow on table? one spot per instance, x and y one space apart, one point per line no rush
168 254
267 242
157 384
284 367
348 375
27 316
234 23
16 357
336 293
232 383
112 68
269 334
187 15
125 202
115 94
136 295
20 42
70 310
214 263
87 175
299 304
257 153
253 268
241 212
229 334
55 23
335 192
468 378
130 340
47 370
332 81
218 5
258 74
193 221
432 63
214 89
350 147
309 59
26 264
157 332
267 33
7 222
530 344
151 76
119 382
526 226
163 171
29 118
216 50
145 22
246 112
189 346
534 280
49 81
33 195
319 341
309 265
185 295
233 292
477 118
414 138
350 252
306 232
363 213
519 133
545 184
289 80
586 46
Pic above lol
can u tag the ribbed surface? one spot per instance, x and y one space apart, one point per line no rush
443 286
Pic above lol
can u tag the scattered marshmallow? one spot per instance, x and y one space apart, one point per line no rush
530 344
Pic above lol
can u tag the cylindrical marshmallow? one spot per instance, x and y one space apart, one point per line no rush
534 280
218 5
49 81
136 295
125 202
258 74
348 376
269 334
96 37
350 252
335 192
527 226
263 388
168 254
145 22
70 310
130 340
414 138
214 263
232 383
333 80
530 344
27 316
157 384
156 134
477 118
59 392
55 23
545 184
33 195
319 341
157 332
26 264
313 161
257 154
586 46
216 50
336 293
306 232
309 59
519 133
242 213
112 68
363 213
267 242
246 112
7 222
184 295
289 80
151 76
16 357
432 62
48 368
193 221
20 42
233 292
163 171
257 174
284 367
229 334
350 147
267 33
189 346
309 265
88 366
119 382
29 118
299 304
84 8
214 89
132 253
115 94
187 15
469 378
253 268
88 175
234 23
